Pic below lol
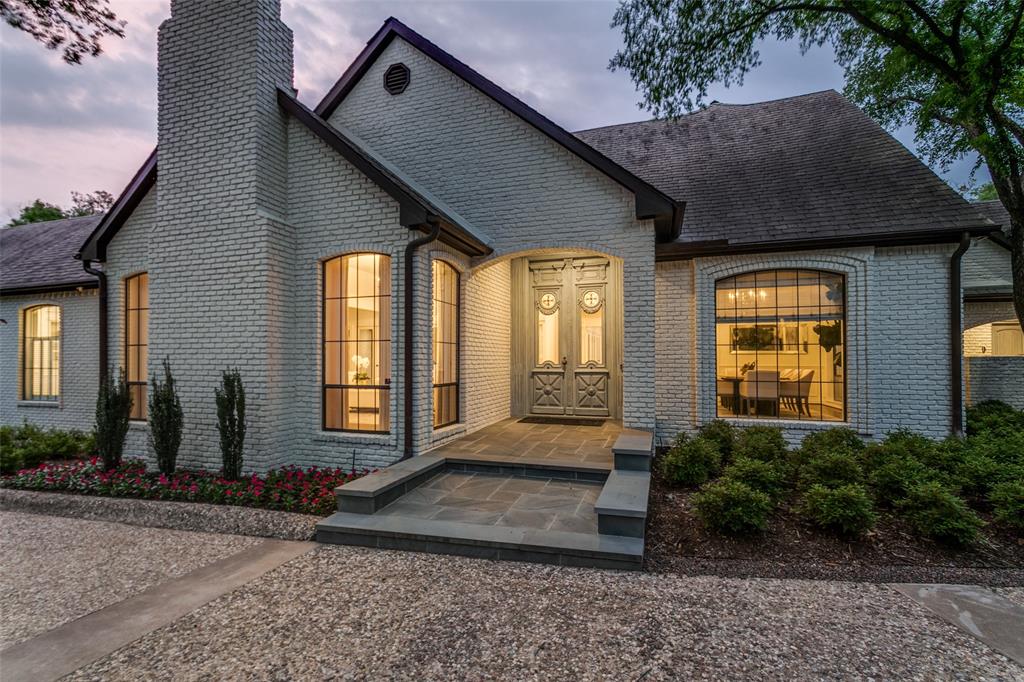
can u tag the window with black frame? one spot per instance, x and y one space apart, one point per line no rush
136 341
445 328
780 342
40 349
357 343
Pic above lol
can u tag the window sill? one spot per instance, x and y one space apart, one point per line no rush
137 425
802 424
39 403
354 437
445 432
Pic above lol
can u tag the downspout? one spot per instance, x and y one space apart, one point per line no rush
410 254
956 340
102 277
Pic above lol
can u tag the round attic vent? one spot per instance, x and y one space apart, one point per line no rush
396 78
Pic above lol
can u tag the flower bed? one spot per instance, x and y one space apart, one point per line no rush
307 491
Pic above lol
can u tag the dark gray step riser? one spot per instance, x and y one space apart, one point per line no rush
478 551
628 526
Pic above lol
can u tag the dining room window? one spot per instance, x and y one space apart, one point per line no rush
445 333
357 343
780 341
40 379
136 341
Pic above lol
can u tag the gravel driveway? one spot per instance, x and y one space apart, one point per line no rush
55 569
349 613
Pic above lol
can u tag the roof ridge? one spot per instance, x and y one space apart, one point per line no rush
55 220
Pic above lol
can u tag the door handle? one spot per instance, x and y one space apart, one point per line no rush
565 361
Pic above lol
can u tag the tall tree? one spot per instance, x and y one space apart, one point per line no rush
954 69
73 26
37 212
90 204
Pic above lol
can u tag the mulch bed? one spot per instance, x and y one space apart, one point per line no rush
677 542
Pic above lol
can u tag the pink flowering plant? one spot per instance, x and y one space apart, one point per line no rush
293 489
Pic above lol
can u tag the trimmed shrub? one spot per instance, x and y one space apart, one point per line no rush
690 461
113 408
936 513
1007 447
768 477
847 510
993 416
230 399
764 443
732 507
1007 500
893 479
165 420
722 434
832 470
838 439
977 474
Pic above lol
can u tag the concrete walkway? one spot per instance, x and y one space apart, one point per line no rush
65 649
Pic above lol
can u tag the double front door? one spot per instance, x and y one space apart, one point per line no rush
568 350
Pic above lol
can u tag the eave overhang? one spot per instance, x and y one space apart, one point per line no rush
95 247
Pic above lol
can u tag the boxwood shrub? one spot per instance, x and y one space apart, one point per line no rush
994 416
764 443
28 446
937 513
690 461
893 479
1007 500
847 510
768 477
832 470
722 434
732 507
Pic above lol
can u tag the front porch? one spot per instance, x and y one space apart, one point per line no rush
562 493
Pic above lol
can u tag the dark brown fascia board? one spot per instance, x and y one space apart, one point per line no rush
651 203
415 212
32 289
989 298
95 247
722 247
999 237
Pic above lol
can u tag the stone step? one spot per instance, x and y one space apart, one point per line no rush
482 541
622 506
633 450
374 491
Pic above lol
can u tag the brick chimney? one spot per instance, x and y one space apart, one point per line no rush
220 243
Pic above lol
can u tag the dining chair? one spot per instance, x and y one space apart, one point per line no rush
760 385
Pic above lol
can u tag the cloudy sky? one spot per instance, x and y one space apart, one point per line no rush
89 127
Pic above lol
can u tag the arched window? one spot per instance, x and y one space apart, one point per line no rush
136 341
780 345
445 326
41 353
357 343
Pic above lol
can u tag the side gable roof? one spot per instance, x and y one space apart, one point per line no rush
651 202
997 213
41 256
807 169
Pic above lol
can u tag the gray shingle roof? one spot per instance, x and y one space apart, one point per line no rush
996 212
40 255
807 167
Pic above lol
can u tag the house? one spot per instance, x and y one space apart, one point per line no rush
423 256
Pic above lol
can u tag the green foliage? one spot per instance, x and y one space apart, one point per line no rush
846 510
768 477
993 416
722 434
732 507
74 26
37 212
113 407
231 422
977 474
893 479
838 439
1007 500
764 443
690 461
986 191
165 420
28 446
832 470
935 512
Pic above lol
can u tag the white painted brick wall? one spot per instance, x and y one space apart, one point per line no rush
79 371
995 378
523 190
897 338
985 264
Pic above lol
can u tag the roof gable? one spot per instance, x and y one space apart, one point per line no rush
651 202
